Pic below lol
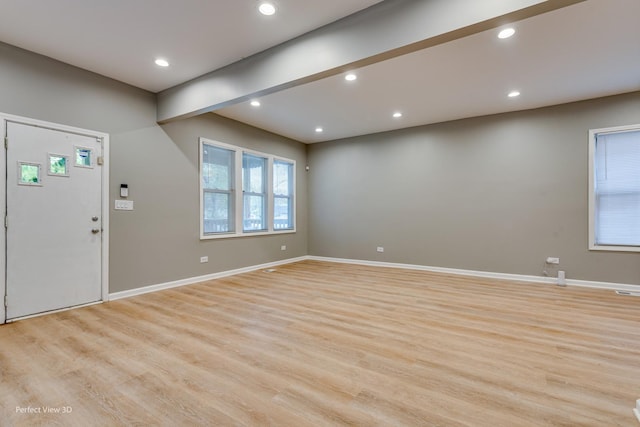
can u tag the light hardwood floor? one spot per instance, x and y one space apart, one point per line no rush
322 344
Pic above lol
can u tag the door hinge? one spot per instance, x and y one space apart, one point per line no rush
6 221
6 303
6 142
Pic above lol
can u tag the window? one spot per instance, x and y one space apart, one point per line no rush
84 157
266 204
254 192
614 189
58 165
282 195
29 173
217 189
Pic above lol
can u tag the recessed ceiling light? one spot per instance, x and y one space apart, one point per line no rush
266 8
513 94
506 33
350 77
255 103
397 114
319 129
162 62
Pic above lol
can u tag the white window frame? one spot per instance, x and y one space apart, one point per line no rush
268 177
232 192
292 197
593 133
238 196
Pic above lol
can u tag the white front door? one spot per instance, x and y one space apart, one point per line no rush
54 224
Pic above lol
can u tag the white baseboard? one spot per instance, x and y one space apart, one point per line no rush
59 310
486 274
191 280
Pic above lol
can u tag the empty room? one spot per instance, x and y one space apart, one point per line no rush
295 213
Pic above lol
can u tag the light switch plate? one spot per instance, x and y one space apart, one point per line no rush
124 205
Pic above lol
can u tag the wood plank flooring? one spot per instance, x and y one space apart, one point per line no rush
323 344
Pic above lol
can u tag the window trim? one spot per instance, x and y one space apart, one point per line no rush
593 133
232 192
291 197
264 194
239 195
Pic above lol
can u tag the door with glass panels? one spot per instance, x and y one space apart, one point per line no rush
54 224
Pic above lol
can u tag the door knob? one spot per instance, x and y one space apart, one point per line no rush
94 218
95 230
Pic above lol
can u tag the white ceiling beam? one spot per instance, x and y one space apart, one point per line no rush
386 30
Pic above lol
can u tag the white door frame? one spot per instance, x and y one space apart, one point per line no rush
4 118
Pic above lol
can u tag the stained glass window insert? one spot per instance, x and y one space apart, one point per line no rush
29 173
83 157
58 165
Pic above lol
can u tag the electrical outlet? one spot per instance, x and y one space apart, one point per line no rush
283 247
553 260
380 249
204 259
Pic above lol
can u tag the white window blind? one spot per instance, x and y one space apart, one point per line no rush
617 188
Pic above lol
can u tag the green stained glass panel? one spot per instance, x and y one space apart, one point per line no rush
58 165
29 173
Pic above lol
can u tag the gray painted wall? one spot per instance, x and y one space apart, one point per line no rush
159 241
497 193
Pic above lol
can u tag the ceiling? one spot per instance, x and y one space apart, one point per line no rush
586 50
121 38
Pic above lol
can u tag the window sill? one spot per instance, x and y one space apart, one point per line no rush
246 234
614 248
